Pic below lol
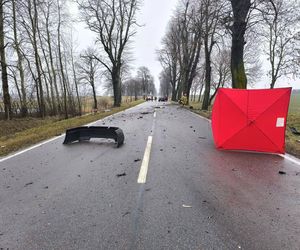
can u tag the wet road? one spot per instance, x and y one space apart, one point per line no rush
194 197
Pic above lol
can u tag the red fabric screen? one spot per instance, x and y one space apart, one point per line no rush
252 120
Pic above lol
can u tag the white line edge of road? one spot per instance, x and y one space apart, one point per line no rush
30 148
144 167
290 158
285 156
55 138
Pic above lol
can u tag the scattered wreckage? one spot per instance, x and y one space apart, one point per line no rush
86 133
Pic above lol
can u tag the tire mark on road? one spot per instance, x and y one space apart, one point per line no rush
142 181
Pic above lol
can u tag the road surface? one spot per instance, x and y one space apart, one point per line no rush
189 195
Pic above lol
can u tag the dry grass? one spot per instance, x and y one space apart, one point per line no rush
20 133
293 141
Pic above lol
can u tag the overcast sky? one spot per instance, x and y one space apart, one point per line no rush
154 16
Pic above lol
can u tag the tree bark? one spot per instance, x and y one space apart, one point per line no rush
23 100
34 21
56 106
200 92
240 11
116 81
61 62
5 88
76 83
208 49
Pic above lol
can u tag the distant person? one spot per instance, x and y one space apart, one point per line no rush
183 99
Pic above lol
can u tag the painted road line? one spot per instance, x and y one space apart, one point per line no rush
57 137
290 158
200 116
144 167
30 148
154 115
286 156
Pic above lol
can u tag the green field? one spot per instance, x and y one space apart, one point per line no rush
295 103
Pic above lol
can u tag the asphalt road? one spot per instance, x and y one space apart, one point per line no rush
195 197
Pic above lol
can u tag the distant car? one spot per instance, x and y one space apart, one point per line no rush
149 98
163 99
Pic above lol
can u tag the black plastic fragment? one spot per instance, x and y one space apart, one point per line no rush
86 133
294 131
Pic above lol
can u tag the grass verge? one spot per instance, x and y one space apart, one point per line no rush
16 137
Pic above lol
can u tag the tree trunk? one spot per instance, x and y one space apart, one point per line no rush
273 81
34 21
214 94
56 106
23 100
5 88
116 81
200 92
240 11
61 62
94 93
51 100
174 93
205 103
76 83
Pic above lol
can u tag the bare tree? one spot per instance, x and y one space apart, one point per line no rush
132 88
75 77
212 15
281 22
168 56
252 61
146 81
88 69
64 82
240 9
5 87
48 12
16 44
190 28
165 84
114 23
221 71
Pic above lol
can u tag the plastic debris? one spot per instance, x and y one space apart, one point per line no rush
120 175
281 172
27 184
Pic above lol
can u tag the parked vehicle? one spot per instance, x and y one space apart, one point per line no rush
163 99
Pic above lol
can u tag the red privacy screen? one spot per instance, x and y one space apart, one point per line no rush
252 120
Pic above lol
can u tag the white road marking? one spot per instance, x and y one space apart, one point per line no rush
290 158
154 115
200 116
57 137
144 167
285 156
30 148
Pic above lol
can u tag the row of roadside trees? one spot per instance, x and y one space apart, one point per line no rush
212 43
41 69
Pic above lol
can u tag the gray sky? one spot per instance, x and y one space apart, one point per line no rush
154 16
